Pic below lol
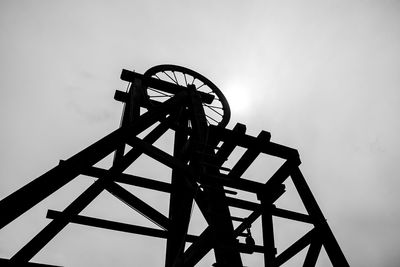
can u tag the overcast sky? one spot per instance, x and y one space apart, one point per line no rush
321 76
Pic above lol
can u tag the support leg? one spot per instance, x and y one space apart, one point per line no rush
332 248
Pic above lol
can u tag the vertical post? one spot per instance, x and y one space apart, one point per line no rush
181 199
268 231
225 246
131 112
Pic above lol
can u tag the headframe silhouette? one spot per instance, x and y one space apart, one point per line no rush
173 98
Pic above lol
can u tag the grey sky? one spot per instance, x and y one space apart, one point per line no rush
321 76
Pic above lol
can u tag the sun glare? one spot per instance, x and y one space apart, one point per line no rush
238 99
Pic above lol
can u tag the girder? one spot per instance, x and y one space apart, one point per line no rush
202 145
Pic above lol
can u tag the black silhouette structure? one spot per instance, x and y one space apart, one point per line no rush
165 98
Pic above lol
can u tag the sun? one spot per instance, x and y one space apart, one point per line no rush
238 99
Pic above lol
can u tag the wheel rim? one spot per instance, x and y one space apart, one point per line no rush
217 113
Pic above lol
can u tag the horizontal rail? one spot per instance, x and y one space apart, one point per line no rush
262 145
134 229
129 179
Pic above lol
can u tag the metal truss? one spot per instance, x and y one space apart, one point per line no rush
202 144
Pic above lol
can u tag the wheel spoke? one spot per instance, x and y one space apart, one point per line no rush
211 118
157 91
201 86
211 106
218 113
157 96
214 110
170 77
177 82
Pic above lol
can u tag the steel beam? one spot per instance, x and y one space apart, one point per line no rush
181 198
225 248
228 145
196 164
129 179
197 251
291 215
268 233
161 156
138 205
247 141
112 225
200 248
242 204
54 227
295 248
249 156
237 183
129 228
131 111
17 203
312 254
329 241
